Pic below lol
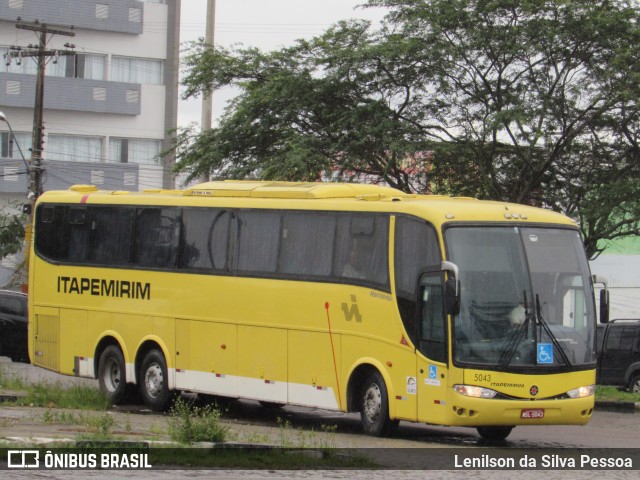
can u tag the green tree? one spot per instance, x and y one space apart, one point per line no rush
530 101
11 234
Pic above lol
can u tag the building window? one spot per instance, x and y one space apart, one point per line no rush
136 70
8 148
74 149
79 65
16 64
134 150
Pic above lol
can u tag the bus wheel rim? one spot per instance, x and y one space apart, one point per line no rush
112 375
372 402
154 380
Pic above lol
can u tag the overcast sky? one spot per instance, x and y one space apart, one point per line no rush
267 24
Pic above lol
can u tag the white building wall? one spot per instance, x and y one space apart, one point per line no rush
623 276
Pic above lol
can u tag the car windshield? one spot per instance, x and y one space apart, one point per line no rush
525 298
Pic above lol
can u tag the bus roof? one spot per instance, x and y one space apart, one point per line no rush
449 209
302 190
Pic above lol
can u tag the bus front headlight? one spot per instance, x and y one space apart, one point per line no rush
582 392
473 391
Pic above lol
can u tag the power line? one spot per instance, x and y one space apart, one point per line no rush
41 54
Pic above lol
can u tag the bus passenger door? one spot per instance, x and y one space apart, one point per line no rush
432 345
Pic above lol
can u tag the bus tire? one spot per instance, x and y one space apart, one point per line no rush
374 407
111 374
634 384
494 434
153 379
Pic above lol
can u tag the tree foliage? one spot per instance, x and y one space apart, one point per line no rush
11 234
530 101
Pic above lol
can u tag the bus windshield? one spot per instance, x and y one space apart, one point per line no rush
525 300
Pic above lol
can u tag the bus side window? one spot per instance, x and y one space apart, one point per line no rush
306 247
78 234
258 241
416 248
205 239
156 237
432 328
111 229
49 231
361 249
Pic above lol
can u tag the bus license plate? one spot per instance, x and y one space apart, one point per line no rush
532 413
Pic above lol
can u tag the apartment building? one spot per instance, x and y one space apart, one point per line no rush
107 108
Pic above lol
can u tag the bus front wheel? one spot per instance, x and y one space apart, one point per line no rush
494 434
111 374
374 409
154 388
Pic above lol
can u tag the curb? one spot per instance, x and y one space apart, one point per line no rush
10 395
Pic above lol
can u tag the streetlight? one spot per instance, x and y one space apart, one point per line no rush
4 119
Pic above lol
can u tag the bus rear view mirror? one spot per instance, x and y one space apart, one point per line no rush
604 298
604 306
452 288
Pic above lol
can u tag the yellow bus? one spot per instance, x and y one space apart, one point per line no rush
353 298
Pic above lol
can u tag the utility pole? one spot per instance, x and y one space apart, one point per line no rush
207 98
40 53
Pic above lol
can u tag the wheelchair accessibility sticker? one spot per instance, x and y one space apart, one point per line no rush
433 376
545 353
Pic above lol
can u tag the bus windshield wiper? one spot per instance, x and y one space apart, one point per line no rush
546 328
516 338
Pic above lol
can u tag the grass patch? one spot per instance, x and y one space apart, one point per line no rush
613 394
189 423
54 395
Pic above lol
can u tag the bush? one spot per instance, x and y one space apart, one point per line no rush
189 423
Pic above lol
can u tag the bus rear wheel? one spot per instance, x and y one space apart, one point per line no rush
111 374
494 434
374 409
154 388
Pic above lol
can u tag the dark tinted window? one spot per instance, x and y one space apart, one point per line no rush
361 248
307 243
259 234
205 239
111 229
328 246
157 233
416 247
50 230
620 338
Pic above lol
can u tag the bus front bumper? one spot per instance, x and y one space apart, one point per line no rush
473 412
